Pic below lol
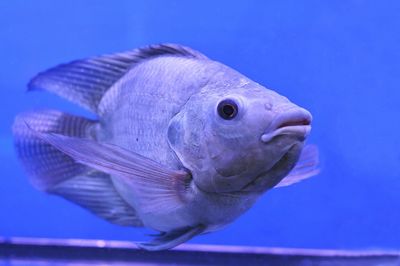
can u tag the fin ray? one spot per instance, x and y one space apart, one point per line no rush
47 166
172 239
95 192
55 172
85 81
156 186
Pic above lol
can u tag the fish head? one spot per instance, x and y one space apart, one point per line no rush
239 139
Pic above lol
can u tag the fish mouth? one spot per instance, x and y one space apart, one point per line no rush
295 122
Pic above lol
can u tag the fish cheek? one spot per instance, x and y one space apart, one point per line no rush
230 166
236 167
228 163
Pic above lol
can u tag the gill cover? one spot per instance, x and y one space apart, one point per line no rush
186 138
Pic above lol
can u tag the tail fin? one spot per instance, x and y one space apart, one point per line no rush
47 166
53 171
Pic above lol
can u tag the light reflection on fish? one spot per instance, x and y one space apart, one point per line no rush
182 144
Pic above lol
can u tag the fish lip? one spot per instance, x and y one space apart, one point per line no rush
293 121
290 116
301 132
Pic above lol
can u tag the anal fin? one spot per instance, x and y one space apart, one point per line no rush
172 239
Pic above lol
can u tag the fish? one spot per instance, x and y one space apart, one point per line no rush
180 143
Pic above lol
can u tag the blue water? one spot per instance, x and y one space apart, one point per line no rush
339 59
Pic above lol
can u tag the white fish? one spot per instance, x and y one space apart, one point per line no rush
182 144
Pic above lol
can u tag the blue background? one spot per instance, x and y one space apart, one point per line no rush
339 59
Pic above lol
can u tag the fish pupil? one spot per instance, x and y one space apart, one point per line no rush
227 109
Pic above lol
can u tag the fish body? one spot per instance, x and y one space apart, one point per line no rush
182 144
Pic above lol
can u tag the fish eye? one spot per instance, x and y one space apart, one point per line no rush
227 109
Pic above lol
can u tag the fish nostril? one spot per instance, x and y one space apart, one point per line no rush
299 122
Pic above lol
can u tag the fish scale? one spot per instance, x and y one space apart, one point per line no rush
141 106
145 128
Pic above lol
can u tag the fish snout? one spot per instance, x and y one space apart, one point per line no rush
295 121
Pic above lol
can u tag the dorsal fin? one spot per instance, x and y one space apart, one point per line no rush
85 81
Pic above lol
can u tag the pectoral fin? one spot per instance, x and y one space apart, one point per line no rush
306 167
156 186
172 239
